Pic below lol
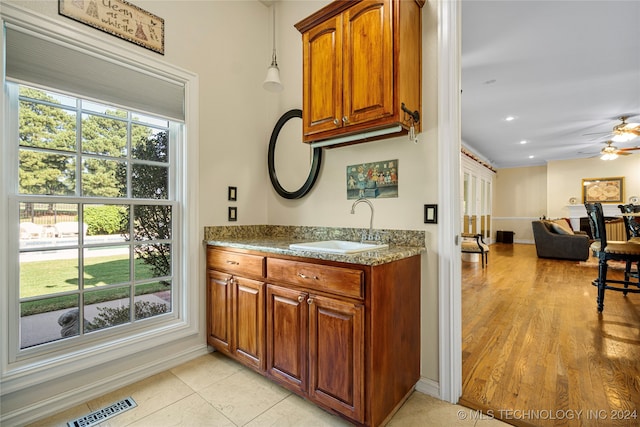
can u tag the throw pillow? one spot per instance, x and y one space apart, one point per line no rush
560 226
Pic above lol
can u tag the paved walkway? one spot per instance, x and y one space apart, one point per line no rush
44 327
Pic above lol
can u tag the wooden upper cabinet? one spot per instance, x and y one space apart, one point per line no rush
361 62
368 66
322 87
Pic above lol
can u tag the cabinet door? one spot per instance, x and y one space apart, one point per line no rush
248 313
322 77
336 355
219 295
287 337
368 62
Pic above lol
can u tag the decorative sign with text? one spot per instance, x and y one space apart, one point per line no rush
119 18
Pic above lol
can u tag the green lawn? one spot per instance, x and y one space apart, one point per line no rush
51 277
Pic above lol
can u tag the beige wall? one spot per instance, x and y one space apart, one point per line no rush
524 194
520 196
565 179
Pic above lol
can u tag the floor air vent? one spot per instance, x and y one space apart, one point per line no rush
100 415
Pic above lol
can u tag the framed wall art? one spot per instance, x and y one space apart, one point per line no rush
118 18
372 180
603 190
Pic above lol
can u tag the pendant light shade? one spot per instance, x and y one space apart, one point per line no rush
272 82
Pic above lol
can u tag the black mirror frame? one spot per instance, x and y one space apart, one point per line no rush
315 164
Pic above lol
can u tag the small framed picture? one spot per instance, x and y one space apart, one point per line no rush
233 194
233 213
430 214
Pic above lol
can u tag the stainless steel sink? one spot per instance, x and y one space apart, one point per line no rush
337 246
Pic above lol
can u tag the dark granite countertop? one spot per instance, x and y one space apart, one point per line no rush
276 239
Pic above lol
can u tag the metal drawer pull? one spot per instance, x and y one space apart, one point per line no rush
233 262
308 277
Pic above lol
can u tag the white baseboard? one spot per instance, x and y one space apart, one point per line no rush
429 387
63 401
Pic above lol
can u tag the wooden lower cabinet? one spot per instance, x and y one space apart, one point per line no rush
236 318
219 310
344 336
248 322
315 347
336 355
287 337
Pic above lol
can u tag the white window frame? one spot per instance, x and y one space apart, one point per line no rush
21 372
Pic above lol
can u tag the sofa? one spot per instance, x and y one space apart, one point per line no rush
554 239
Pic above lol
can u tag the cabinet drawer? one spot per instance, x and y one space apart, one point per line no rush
337 280
235 263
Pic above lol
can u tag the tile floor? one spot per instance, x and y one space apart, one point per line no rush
213 390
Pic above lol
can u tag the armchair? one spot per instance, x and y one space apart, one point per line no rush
474 244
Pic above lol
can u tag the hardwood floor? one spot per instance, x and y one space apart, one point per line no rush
536 351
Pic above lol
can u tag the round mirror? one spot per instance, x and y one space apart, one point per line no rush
289 156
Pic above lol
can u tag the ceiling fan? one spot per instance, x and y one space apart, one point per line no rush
611 152
623 132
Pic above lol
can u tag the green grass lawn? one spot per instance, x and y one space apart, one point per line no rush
50 277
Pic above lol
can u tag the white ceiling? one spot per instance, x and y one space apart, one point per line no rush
563 68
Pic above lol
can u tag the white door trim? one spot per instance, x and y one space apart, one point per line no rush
449 143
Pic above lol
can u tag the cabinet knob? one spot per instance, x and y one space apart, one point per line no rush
345 119
300 298
336 122
310 301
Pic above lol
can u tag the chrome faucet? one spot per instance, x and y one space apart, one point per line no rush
353 211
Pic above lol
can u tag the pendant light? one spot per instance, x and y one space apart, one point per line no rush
272 82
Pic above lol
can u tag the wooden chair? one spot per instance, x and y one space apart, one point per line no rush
474 244
632 225
611 250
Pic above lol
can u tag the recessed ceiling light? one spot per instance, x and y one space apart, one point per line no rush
531 157
510 118
524 141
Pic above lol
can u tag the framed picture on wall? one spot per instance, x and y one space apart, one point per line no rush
603 190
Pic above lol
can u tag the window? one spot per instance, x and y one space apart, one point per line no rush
96 210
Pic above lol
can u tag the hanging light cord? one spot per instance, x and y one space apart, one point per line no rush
274 62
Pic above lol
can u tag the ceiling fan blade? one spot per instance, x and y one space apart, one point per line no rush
629 149
595 133
605 135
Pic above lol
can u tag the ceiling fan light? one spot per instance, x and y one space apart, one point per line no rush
609 156
623 137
